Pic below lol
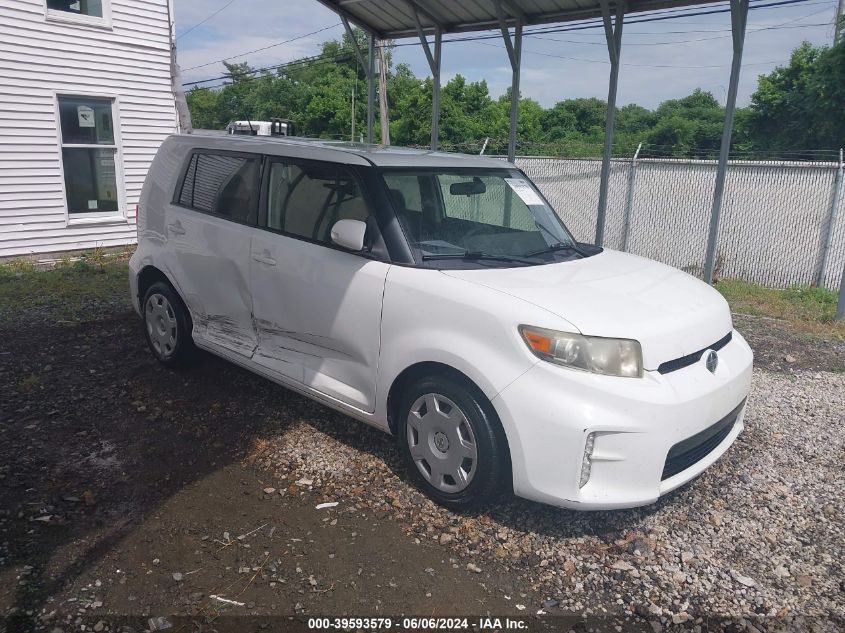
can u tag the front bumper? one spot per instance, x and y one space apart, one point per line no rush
549 412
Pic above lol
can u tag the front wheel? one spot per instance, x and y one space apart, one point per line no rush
167 325
452 442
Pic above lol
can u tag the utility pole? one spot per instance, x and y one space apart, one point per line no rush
837 27
384 115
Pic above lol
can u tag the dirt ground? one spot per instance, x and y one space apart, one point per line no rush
129 492
119 477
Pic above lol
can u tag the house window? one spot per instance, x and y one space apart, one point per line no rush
89 154
93 8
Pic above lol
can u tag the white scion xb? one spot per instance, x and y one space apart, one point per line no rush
439 297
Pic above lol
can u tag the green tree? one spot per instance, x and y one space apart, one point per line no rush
798 106
801 105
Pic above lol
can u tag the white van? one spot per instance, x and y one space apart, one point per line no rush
440 298
274 127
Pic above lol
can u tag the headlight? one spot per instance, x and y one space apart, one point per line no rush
608 356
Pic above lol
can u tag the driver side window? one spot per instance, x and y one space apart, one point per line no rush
306 200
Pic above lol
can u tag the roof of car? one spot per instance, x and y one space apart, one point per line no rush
337 151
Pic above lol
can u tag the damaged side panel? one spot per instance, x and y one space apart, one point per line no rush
318 312
210 256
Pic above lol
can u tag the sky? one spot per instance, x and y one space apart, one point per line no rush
660 60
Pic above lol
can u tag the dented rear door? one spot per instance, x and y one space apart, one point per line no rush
209 238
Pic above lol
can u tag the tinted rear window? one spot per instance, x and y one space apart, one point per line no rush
221 184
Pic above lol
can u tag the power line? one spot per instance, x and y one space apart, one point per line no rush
784 25
669 14
577 26
595 23
343 54
225 6
263 48
631 64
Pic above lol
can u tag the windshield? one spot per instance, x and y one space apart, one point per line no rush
487 217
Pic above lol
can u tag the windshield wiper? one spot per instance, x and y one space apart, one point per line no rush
477 255
557 246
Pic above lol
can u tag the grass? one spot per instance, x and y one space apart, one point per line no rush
90 287
804 309
85 289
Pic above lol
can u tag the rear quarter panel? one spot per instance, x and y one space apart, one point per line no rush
156 195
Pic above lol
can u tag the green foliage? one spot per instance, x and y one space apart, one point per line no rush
799 106
802 105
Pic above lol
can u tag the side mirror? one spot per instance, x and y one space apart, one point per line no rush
349 234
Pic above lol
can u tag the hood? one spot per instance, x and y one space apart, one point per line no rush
618 295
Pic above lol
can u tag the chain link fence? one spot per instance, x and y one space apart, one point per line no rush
782 223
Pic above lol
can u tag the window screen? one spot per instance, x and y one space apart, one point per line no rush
221 184
307 200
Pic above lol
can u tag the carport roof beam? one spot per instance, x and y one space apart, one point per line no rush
394 19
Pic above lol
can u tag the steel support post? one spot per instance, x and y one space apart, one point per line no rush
435 95
515 66
613 34
739 15
840 307
365 64
831 221
629 201
514 48
434 65
371 88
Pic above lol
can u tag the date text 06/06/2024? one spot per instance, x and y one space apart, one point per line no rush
415 624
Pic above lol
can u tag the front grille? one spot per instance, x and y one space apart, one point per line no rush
691 359
693 449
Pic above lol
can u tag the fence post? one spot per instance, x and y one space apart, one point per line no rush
629 201
831 221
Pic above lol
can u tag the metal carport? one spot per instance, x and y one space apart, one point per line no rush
397 19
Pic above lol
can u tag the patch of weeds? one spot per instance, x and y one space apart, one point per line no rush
82 266
72 291
96 258
805 309
18 266
65 261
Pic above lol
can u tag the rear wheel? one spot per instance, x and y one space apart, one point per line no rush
167 325
452 442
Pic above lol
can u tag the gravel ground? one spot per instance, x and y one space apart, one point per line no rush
108 463
760 534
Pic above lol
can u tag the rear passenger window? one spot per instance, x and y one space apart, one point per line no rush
306 201
221 184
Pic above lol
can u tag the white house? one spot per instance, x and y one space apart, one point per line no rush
85 100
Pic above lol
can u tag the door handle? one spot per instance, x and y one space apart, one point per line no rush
176 228
263 259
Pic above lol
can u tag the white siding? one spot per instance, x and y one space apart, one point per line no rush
40 58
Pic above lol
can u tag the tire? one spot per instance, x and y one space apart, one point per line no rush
452 442
167 326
